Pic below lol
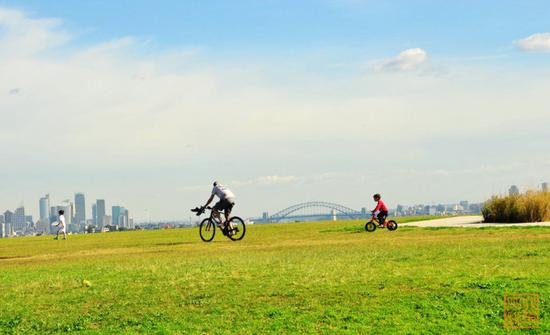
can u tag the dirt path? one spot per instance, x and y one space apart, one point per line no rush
473 221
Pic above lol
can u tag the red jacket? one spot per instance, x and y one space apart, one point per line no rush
381 206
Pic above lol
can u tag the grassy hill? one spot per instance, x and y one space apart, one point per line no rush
322 277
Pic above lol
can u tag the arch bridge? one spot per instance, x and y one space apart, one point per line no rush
339 210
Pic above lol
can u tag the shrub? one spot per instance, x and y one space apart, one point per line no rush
533 206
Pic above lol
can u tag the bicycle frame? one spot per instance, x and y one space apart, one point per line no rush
375 219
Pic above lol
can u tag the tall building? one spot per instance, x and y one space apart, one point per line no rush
100 212
8 221
125 218
80 208
94 214
544 187
514 190
53 218
8 217
45 208
19 220
122 221
117 212
107 220
2 226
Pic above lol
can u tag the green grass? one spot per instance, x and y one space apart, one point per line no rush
322 277
359 225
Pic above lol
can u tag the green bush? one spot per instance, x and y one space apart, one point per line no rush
532 206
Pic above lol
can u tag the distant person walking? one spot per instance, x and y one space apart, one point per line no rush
381 208
226 203
61 226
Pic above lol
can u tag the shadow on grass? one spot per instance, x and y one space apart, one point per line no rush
358 229
13 257
174 243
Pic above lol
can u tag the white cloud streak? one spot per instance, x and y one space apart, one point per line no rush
266 181
407 60
537 43
25 36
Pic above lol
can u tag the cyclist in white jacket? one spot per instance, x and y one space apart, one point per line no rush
226 203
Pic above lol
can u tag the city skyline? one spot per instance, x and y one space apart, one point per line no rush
116 210
400 98
21 222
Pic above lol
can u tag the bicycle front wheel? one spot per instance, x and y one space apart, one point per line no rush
236 228
207 230
370 226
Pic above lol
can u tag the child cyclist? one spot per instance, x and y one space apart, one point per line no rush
381 208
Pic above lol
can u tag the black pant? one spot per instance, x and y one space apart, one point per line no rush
382 217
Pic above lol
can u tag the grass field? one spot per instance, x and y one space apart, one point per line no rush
323 277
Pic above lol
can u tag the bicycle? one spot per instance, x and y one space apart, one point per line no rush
373 223
235 229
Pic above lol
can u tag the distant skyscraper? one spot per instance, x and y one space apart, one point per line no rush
107 220
2 226
100 212
45 208
123 221
514 190
80 208
94 214
544 187
117 212
19 220
8 217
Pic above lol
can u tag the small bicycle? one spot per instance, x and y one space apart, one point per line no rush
234 229
373 223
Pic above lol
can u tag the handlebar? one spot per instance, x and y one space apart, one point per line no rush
200 210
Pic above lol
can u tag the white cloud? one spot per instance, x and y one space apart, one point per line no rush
266 180
535 42
407 60
24 36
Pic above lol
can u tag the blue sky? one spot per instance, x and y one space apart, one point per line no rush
144 103
446 28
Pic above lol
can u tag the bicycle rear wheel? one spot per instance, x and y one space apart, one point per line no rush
207 230
236 228
392 225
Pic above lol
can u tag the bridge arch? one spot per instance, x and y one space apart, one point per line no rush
346 211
